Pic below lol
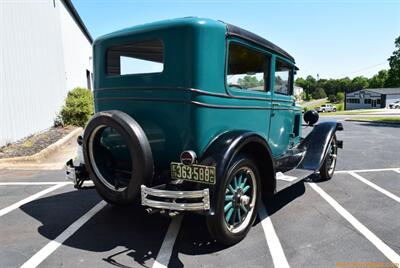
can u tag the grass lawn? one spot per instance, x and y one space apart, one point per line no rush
386 119
338 106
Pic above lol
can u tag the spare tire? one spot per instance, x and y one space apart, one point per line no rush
117 156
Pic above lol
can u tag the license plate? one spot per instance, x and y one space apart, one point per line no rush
195 173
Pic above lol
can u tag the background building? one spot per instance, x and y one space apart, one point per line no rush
371 98
298 92
45 50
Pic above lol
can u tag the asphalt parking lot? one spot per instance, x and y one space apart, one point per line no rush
351 221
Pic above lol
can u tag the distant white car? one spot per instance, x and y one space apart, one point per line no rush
395 105
326 108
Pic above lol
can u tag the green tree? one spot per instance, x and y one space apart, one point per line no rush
340 96
249 81
319 93
378 80
393 79
359 83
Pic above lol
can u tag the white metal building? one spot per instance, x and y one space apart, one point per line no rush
371 98
45 51
297 92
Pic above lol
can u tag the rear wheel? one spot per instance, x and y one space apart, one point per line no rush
238 199
328 166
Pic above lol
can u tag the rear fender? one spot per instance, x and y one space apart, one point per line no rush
222 150
316 145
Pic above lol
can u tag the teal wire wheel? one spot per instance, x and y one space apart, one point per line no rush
240 199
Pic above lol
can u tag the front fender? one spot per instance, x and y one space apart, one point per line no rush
316 145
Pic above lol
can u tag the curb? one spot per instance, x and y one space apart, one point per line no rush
43 154
372 121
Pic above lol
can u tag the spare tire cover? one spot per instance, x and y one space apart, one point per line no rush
117 155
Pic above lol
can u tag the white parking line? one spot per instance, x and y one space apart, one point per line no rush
397 170
31 198
376 241
367 170
284 177
165 252
48 249
274 245
34 183
376 187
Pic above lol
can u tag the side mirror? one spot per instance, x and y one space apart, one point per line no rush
311 117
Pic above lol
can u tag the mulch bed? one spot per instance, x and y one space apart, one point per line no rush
34 143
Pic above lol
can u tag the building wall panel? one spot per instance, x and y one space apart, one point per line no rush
43 54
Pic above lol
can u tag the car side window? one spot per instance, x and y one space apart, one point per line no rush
283 77
248 68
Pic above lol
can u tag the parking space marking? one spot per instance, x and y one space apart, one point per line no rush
274 245
397 170
376 187
31 198
376 241
283 177
33 183
367 170
165 252
52 246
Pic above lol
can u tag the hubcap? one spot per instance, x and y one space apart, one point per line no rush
240 198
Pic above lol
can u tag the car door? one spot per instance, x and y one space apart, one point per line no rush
282 115
248 83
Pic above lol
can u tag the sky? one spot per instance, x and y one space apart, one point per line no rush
330 38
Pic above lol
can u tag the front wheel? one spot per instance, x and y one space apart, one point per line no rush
328 166
237 200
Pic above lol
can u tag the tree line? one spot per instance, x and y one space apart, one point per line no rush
322 88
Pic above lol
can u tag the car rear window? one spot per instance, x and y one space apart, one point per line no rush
140 57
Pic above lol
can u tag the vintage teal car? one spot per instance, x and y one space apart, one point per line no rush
197 115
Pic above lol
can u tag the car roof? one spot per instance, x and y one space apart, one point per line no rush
231 30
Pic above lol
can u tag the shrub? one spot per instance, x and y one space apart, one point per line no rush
340 96
78 107
332 98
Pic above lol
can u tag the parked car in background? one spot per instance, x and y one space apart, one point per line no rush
395 105
326 108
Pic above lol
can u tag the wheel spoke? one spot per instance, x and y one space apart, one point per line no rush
244 182
235 184
239 182
243 208
238 214
231 189
229 215
228 197
227 206
246 188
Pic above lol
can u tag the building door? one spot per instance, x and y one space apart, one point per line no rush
373 102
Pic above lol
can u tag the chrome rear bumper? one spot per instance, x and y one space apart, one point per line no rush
158 197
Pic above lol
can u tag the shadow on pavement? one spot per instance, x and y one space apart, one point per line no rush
140 235
194 238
